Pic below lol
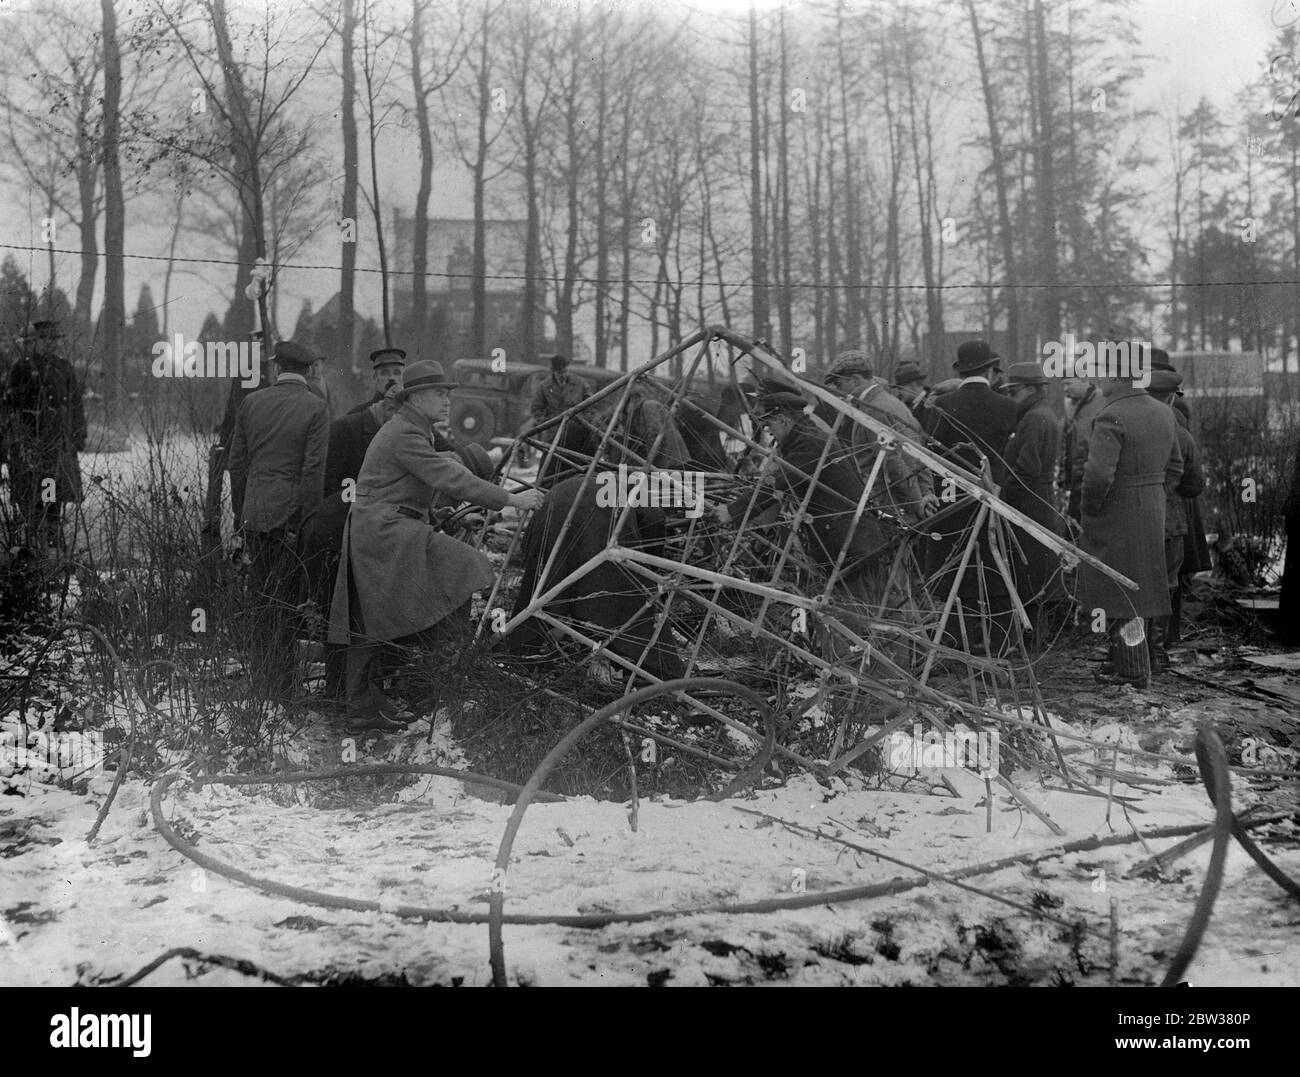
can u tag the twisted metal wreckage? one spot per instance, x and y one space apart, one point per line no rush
885 655
678 610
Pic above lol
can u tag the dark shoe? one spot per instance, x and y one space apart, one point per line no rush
390 708
364 721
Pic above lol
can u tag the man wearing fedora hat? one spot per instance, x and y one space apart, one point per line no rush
46 431
277 474
322 532
1026 478
398 577
386 366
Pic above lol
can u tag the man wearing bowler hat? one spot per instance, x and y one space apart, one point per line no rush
46 430
386 366
398 577
970 422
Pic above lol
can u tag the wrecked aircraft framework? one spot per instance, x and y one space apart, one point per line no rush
608 576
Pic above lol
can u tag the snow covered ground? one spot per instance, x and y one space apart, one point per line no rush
71 912
79 913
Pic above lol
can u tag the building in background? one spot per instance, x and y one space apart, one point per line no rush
450 322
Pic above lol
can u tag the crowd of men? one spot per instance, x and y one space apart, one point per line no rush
356 505
1123 466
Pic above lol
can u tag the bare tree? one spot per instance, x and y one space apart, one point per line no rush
112 315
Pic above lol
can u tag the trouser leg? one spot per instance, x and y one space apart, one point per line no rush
274 586
357 674
1174 629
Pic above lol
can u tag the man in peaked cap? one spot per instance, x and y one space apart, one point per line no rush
386 366
46 431
277 474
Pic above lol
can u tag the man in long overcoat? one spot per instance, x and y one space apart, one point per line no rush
46 430
1133 455
398 576
972 420
1027 481
277 473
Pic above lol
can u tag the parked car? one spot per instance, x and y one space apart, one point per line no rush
491 405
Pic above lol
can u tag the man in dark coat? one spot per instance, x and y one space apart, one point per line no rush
1133 455
555 395
1196 548
971 421
46 430
610 602
277 472
1082 403
1161 631
1027 481
558 393
386 367
909 386
812 466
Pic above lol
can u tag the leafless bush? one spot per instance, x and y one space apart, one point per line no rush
1247 449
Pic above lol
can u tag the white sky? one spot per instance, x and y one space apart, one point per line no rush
1196 47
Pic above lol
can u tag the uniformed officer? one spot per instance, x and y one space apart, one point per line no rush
46 430
386 366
